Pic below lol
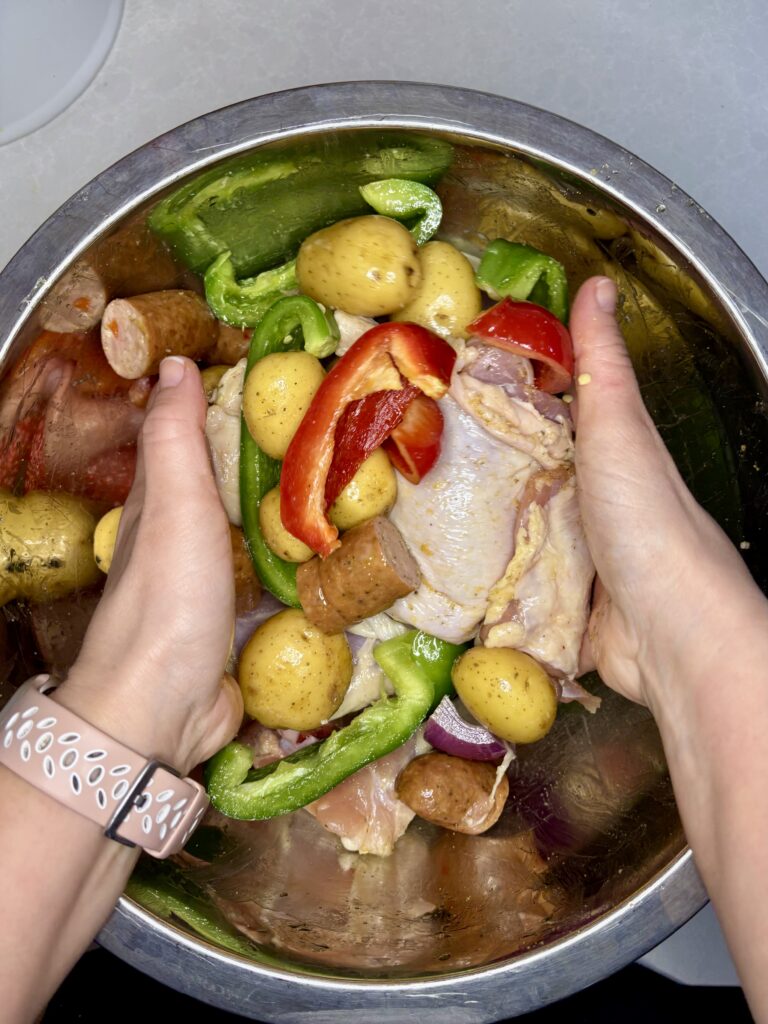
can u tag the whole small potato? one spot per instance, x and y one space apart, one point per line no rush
46 546
211 376
453 792
291 675
447 298
277 393
284 544
367 266
507 691
104 537
370 492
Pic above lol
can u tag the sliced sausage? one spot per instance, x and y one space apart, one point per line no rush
247 585
130 261
137 333
231 345
452 792
368 573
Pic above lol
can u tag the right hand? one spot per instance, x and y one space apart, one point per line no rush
668 577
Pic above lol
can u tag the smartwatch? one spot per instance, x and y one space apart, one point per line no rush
136 801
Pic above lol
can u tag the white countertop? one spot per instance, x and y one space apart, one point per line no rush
683 85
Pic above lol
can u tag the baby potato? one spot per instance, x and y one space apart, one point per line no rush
447 298
104 537
46 546
211 376
278 391
284 544
507 691
291 675
370 492
367 266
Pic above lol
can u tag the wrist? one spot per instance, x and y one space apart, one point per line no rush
719 629
115 706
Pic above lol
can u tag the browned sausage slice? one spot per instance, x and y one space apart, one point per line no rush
368 573
130 261
247 585
137 333
453 792
231 345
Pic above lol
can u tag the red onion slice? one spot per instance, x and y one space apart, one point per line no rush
446 730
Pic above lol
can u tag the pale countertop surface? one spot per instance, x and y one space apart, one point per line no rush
682 85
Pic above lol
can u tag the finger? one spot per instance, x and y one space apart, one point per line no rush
612 419
604 373
588 654
225 719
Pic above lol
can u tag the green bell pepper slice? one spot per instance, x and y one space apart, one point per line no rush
243 303
406 200
289 324
260 207
522 272
419 666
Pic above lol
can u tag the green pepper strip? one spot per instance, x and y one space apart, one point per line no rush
522 272
278 331
262 205
418 665
406 200
243 303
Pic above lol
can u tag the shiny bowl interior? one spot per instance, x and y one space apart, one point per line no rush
591 835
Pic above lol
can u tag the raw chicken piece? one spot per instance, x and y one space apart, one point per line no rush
535 423
457 524
351 327
364 810
541 603
368 681
80 428
222 428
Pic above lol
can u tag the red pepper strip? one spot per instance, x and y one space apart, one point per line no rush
533 332
363 426
413 446
376 362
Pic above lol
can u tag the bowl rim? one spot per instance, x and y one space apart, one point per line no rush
613 939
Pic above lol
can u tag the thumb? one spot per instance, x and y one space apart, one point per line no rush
606 381
614 427
173 457
223 722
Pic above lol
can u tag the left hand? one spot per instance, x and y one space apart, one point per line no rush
151 671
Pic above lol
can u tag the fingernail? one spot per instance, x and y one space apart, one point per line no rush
605 295
171 372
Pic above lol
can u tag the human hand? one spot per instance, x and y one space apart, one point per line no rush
151 669
665 569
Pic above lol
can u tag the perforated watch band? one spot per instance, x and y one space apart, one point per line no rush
136 801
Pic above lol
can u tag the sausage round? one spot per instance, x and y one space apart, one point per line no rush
231 345
453 792
137 333
130 261
368 573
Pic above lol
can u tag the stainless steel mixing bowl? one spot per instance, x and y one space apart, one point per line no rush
588 868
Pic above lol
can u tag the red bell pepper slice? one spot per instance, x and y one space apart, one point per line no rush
533 332
378 361
413 446
363 427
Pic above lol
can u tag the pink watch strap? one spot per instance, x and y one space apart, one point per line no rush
136 801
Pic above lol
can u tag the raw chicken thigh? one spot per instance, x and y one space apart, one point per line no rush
495 526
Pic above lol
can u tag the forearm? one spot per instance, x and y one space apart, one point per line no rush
63 878
711 705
